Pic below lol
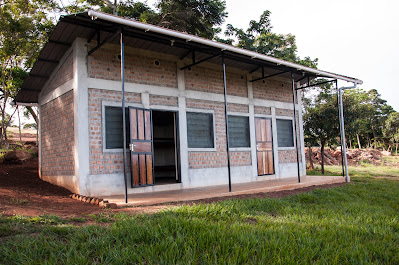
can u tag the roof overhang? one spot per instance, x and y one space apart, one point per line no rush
101 27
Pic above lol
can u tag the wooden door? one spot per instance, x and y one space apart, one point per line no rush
264 146
141 147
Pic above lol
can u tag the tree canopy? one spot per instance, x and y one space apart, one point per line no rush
198 17
24 28
259 38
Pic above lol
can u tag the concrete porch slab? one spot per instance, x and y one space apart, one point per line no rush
153 198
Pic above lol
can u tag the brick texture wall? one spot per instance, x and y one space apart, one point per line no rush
57 136
218 158
262 110
237 108
210 80
105 64
288 156
285 112
62 75
163 100
104 162
272 90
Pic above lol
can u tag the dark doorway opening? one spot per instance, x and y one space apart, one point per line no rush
166 155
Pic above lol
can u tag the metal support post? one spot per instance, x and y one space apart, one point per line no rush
295 127
341 119
226 121
123 112
340 129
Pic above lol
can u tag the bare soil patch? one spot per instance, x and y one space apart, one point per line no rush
22 192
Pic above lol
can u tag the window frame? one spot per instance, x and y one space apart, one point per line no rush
203 149
247 148
105 104
283 148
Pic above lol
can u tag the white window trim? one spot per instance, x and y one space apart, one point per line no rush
213 149
241 149
112 104
293 134
268 116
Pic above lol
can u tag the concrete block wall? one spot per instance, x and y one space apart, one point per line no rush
56 126
139 69
62 74
273 90
163 100
210 80
262 110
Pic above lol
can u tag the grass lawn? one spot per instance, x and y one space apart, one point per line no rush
363 170
356 223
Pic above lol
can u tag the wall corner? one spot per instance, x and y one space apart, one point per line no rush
81 117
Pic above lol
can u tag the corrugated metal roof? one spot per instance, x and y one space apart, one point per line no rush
82 25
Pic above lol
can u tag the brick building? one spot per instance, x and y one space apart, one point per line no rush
174 105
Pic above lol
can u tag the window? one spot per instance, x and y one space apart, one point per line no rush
114 128
200 130
239 131
285 134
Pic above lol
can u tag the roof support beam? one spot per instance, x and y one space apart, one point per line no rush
264 77
255 69
60 43
304 77
99 45
201 61
48 61
92 35
39 76
186 54
317 84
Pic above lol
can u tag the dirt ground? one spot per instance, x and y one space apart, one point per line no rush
27 135
22 192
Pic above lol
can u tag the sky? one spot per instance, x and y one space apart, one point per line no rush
356 38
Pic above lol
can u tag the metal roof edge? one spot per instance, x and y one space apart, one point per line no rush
222 46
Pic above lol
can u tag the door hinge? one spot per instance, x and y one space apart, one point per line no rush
132 147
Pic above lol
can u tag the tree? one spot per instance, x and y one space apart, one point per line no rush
321 124
24 28
391 129
356 111
260 38
197 17
366 113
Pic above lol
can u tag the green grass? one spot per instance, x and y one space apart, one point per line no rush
364 170
391 159
357 223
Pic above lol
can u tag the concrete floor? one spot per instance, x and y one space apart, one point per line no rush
153 198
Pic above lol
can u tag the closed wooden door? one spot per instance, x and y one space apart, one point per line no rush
264 146
141 147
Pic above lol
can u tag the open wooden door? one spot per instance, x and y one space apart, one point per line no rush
141 147
264 146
